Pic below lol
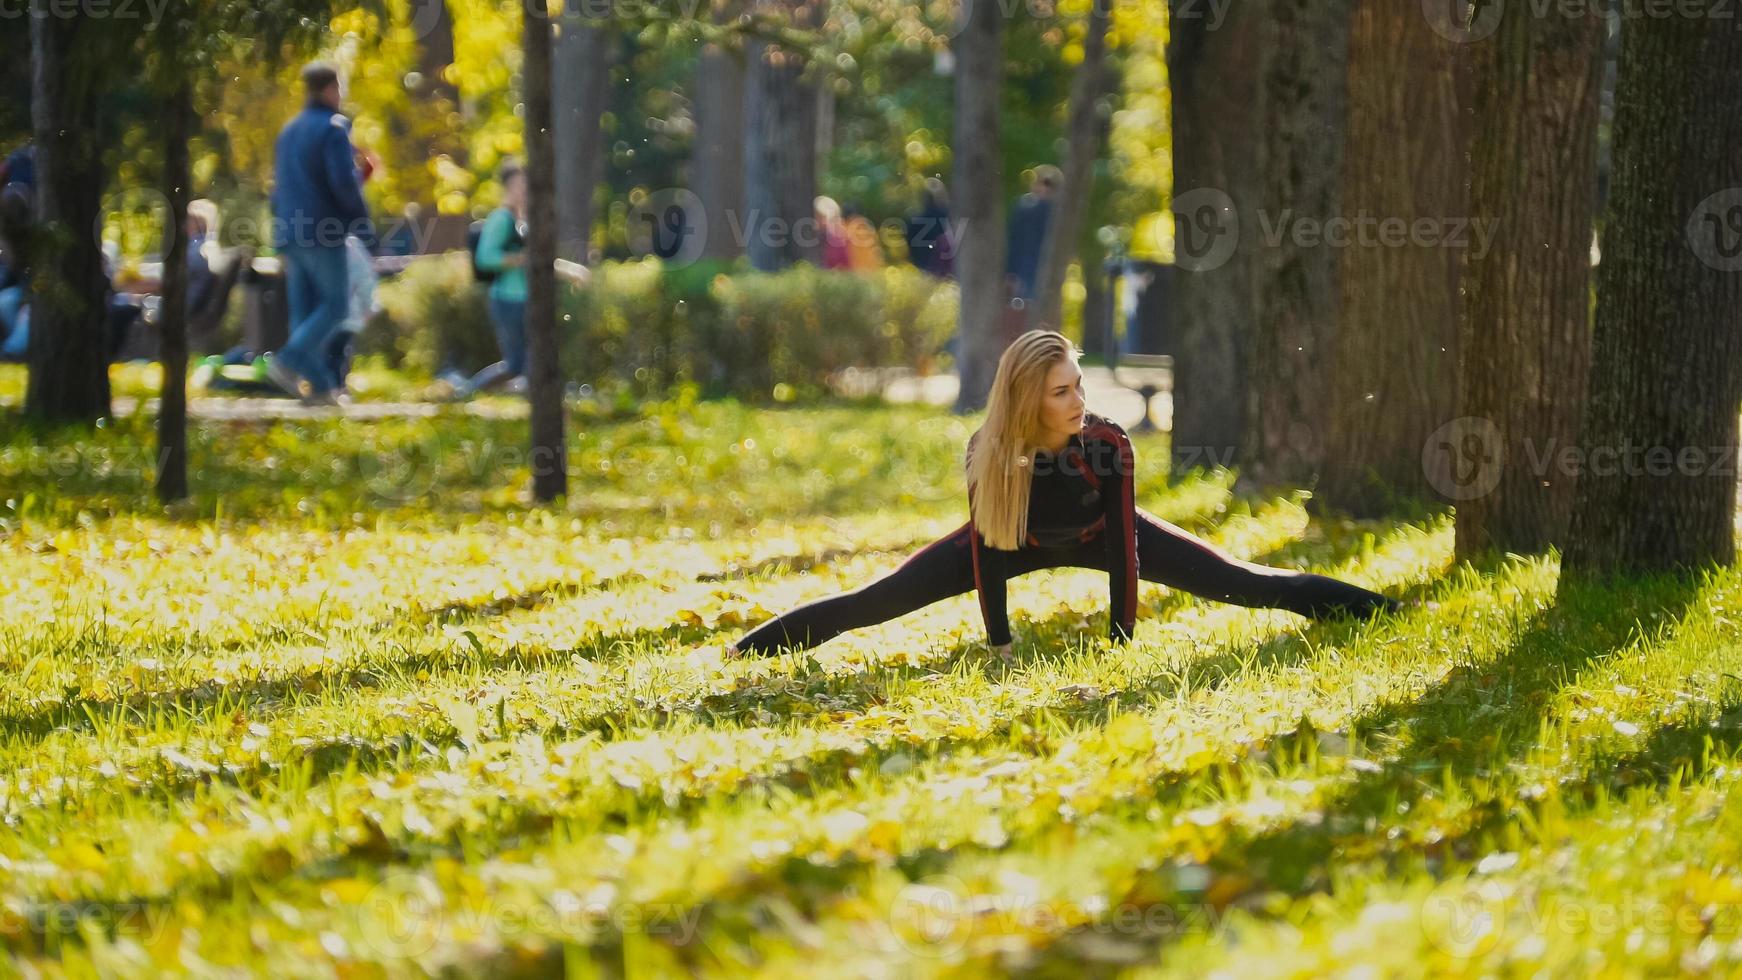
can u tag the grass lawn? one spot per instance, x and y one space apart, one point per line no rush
358 710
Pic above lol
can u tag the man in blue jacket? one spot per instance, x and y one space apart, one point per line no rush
317 200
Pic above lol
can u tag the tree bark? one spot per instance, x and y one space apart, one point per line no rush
1394 376
69 352
435 50
436 96
978 187
1085 110
582 72
780 162
1213 69
172 415
549 453
1295 279
1666 373
717 166
1527 325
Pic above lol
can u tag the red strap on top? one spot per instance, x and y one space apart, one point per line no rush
1094 479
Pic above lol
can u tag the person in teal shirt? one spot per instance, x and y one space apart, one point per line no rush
501 250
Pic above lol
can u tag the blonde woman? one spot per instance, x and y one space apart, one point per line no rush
1050 485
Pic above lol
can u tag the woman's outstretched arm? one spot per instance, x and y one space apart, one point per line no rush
990 577
1117 466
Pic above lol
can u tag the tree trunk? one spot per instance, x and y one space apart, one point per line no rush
1084 113
978 188
1295 279
549 453
780 164
1527 326
434 95
582 72
717 166
1213 70
1394 377
1657 489
69 351
172 414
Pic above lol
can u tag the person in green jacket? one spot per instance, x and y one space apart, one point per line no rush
501 250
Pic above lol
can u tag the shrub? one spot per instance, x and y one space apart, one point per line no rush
646 329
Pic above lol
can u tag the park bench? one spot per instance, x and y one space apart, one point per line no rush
1142 364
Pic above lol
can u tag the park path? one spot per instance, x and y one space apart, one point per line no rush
1106 396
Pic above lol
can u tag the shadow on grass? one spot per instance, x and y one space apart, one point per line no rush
1481 718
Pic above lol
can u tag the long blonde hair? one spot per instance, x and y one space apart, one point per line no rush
1001 454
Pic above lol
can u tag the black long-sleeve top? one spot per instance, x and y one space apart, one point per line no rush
1079 496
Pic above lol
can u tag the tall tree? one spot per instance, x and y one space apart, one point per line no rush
977 187
1394 376
1657 490
549 456
1085 111
175 52
1300 154
73 60
1212 68
582 74
780 162
172 438
1527 326
434 95
717 168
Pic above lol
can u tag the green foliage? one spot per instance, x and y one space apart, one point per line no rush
646 329
433 317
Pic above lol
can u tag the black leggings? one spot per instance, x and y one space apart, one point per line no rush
1165 554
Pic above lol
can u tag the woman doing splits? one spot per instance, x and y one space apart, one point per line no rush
1050 485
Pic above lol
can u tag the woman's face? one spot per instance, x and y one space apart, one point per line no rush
514 192
1061 402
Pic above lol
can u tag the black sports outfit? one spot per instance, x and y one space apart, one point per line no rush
1080 514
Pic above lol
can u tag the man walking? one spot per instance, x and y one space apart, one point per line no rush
317 200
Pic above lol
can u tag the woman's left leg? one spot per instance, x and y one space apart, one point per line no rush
1173 557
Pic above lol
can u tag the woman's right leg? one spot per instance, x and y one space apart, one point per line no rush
1174 557
941 569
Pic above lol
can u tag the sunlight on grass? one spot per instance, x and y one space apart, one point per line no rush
357 709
